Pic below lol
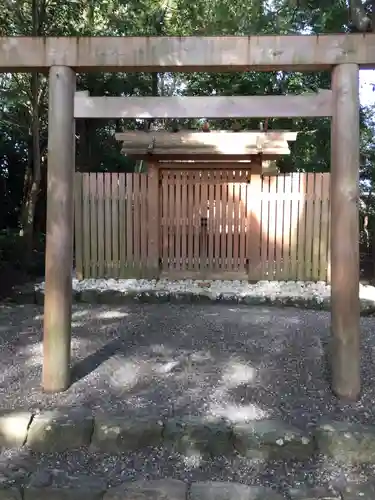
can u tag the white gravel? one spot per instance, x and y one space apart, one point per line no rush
297 290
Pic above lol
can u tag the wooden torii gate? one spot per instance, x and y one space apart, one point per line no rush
342 54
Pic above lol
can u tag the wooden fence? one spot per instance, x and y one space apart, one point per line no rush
224 224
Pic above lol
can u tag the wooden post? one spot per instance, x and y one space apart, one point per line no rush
59 244
153 220
345 232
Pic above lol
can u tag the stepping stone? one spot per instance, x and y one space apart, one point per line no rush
346 442
271 439
163 489
57 432
59 485
221 490
121 434
196 435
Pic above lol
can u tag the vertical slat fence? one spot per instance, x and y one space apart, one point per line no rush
214 224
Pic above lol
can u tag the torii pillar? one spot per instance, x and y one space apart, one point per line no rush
59 242
345 304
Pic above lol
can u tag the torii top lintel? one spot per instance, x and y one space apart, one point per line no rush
229 53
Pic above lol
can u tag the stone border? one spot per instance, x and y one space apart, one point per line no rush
32 295
271 439
59 431
47 485
56 485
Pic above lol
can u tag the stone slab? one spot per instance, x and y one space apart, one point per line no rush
221 490
271 439
319 493
364 491
193 435
346 442
11 493
162 489
58 431
13 428
58 485
121 434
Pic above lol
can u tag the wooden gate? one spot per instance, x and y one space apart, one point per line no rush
228 224
204 223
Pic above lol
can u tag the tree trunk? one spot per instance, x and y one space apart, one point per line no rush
33 176
32 185
358 15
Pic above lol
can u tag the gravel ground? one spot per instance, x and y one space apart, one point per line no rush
239 362
302 290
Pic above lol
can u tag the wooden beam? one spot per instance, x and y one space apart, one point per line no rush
280 106
345 233
207 164
214 137
205 157
59 244
214 143
256 165
226 53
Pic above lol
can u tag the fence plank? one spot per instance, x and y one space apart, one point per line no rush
279 207
190 216
204 265
236 221
165 222
153 220
287 226
108 224
86 226
172 219
294 220
329 244
324 230
143 229
302 226
115 227
100 226
218 222
309 225
122 225
224 222
317 226
136 223
129 223
212 223
255 227
197 214
178 215
272 235
93 227
184 221
78 225
230 224
242 226
264 227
